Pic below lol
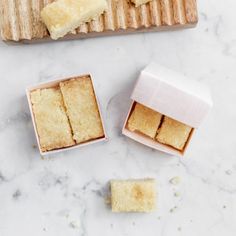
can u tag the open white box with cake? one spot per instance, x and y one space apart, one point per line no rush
66 114
166 109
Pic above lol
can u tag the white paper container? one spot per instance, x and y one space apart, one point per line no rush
52 84
173 95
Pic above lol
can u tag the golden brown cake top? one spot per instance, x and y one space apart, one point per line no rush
173 133
50 118
144 120
82 109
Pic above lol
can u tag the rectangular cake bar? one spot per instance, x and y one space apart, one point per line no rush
51 121
173 133
133 195
63 16
144 120
82 109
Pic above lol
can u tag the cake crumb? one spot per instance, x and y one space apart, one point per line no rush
16 195
173 209
175 180
108 200
176 194
75 224
228 172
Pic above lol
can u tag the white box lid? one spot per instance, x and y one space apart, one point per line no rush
173 95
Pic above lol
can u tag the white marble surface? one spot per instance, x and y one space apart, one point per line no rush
64 195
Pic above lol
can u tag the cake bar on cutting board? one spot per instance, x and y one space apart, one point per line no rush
21 21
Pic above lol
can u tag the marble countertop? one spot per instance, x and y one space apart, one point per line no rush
64 194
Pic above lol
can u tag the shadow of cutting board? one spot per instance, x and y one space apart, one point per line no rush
20 19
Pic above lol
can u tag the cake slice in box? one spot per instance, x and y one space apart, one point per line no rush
52 124
173 133
82 109
144 120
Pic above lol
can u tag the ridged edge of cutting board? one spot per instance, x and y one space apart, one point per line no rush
20 19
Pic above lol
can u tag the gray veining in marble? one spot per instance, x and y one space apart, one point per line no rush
66 193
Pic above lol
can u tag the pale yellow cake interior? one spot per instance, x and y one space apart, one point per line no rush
133 195
63 16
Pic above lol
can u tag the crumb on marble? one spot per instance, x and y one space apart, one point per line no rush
173 209
16 194
2 178
175 180
228 172
176 194
75 224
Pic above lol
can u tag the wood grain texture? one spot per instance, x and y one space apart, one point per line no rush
20 19
179 12
191 11
167 12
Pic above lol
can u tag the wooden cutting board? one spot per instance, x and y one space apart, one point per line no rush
20 19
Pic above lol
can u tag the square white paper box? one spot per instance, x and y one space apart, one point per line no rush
53 84
173 95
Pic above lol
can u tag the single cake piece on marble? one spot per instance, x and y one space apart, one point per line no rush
133 195
52 124
63 16
173 133
144 120
82 109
